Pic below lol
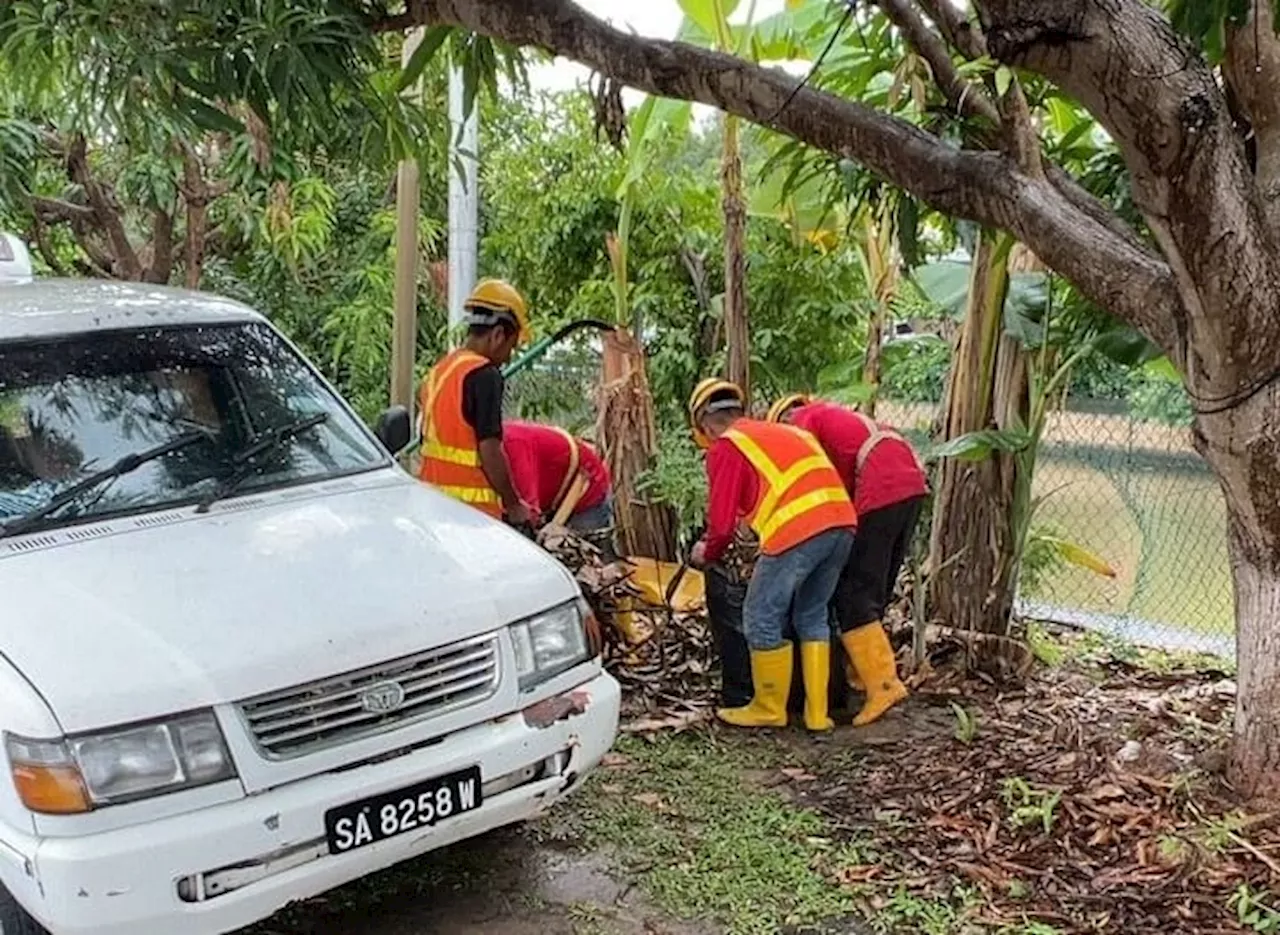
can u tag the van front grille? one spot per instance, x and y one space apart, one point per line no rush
379 698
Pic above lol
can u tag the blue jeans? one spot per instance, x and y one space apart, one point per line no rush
596 526
798 582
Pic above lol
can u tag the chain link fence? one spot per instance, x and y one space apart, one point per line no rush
1135 494
1131 492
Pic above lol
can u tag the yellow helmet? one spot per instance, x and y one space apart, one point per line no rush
702 394
785 403
498 297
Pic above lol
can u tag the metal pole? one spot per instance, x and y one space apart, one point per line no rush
404 332
464 197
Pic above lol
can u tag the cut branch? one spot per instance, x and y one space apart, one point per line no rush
1132 281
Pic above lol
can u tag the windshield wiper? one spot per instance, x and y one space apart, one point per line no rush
244 458
126 465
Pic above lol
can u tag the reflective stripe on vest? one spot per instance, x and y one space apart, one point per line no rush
574 461
877 434
450 452
801 492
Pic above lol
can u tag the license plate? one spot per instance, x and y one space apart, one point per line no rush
358 824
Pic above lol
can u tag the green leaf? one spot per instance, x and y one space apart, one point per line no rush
908 227
432 39
207 117
1004 78
1162 368
978 446
1024 307
945 283
705 14
1125 346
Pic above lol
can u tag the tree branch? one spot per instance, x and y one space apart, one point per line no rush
160 264
1122 60
40 236
56 209
968 98
964 35
1128 279
106 212
1252 70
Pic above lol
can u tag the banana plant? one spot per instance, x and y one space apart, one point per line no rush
1028 318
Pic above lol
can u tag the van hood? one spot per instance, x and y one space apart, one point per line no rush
147 619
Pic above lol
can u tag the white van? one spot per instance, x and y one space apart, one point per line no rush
245 658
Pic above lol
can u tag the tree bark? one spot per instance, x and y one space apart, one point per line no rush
972 543
737 334
627 432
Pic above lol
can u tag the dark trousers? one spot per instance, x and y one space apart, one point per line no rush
866 584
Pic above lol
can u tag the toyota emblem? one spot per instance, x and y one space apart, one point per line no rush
382 698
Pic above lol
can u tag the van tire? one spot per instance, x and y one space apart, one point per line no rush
14 920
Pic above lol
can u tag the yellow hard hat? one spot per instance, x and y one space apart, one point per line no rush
702 394
498 297
780 408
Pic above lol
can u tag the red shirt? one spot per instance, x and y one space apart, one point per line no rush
891 473
539 457
732 489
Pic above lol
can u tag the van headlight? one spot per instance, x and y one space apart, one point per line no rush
550 643
76 774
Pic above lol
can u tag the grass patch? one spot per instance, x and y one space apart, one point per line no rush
1163 530
706 843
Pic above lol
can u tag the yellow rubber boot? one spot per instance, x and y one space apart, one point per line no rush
851 676
872 656
771 680
815 663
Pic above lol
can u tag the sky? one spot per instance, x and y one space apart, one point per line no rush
658 19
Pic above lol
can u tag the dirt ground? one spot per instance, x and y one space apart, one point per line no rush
504 883
1089 799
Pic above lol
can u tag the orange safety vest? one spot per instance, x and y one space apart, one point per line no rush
801 494
450 451
878 433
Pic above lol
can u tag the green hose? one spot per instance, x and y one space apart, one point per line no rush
536 350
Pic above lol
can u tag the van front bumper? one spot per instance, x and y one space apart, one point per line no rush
224 867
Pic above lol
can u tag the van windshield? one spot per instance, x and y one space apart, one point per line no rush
70 407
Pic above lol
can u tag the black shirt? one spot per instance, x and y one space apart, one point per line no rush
482 401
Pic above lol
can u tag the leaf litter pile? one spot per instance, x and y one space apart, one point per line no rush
1082 793
1091 798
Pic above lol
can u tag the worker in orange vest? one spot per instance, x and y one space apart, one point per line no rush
778 479
883 474
460 403
554 472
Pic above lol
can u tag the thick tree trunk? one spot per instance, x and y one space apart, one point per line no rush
737 335
1255 763
1242 444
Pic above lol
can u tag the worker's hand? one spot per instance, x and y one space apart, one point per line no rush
698 556
519 515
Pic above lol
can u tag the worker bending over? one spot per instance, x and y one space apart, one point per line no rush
461 406
884 476
561 477
779 479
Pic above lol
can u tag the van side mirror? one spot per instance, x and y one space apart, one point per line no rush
393 429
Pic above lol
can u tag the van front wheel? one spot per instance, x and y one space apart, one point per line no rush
14 920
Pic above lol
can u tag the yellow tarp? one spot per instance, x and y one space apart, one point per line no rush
652 578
